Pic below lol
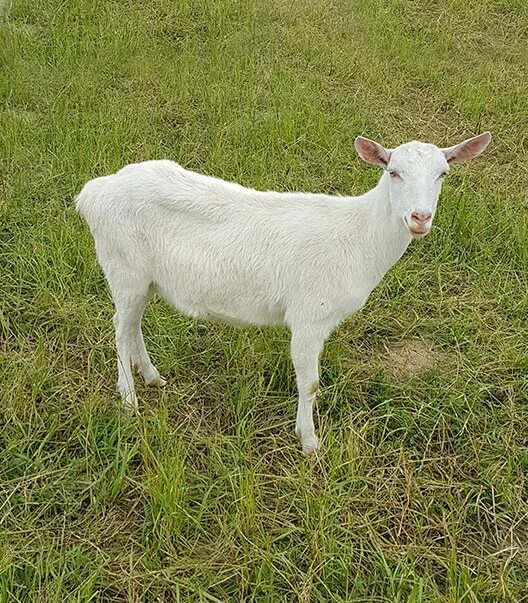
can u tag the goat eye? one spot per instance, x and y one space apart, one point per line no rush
394 174
443 174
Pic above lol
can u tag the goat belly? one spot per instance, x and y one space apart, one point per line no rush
233 310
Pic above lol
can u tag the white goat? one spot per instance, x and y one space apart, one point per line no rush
222 252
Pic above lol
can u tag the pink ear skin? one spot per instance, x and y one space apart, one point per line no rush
372 152
469 149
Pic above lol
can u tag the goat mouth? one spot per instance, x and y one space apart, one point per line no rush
417 233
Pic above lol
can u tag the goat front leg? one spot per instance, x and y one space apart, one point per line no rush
306 346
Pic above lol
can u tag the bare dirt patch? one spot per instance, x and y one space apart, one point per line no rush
415 356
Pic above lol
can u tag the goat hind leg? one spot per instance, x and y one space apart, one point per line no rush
130 298
125 380
140 358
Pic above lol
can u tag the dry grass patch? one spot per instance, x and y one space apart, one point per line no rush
412 357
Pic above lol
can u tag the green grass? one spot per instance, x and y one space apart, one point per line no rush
419 493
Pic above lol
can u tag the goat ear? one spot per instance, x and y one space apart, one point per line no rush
468 149
372 152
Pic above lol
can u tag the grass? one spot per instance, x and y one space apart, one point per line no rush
419 493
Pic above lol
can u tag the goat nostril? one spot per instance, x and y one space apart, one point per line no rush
421 216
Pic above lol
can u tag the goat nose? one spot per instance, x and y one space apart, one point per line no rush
421 216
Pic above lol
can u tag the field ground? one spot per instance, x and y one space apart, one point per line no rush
419 493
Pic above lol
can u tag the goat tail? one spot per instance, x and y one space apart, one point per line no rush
89 196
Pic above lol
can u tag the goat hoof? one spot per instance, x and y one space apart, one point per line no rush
157 382
130 403
310 445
